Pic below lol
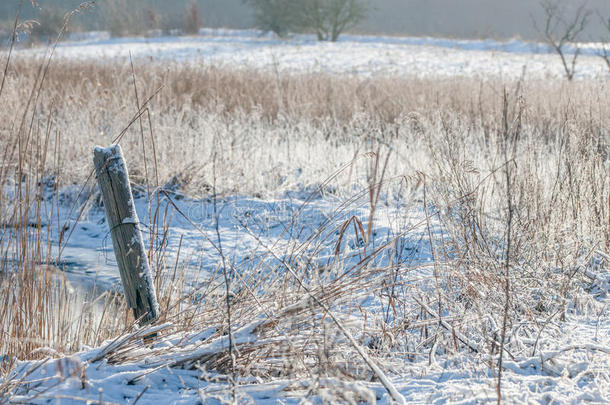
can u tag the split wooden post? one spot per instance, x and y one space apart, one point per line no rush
113 179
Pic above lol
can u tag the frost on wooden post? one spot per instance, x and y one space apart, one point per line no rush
127 242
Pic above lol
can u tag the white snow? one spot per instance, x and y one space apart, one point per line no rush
352 55
571 359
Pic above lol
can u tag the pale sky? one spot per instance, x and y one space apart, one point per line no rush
452 18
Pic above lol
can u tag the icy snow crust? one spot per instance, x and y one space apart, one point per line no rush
357 55
560 371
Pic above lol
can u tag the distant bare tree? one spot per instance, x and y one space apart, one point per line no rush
328 19
192 19
560 30
605 52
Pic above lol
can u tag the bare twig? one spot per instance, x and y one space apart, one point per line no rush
227 283
10 51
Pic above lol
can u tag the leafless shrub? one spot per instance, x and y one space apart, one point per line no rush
560 31
327 19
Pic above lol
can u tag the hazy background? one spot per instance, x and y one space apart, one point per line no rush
499 19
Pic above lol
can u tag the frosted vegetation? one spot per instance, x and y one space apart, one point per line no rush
313 236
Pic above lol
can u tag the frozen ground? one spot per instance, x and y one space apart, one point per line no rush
570 365
246 225
358 55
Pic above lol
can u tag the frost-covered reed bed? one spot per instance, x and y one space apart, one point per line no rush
510 180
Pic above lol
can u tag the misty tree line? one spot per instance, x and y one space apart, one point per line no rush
561 24
327 19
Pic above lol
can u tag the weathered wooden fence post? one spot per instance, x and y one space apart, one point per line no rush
123 222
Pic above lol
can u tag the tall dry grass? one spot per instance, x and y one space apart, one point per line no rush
42 312
239 115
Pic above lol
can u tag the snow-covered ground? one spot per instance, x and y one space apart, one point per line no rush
358 55
570 365
570 362
249 231
246 227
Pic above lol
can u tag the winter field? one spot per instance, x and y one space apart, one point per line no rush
354 55
378 220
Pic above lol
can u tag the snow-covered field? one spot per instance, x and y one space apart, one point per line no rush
550 360
359 55
571 364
